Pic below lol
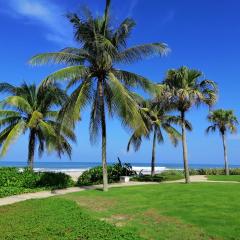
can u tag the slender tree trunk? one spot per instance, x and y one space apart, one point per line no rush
153 153
31 149
184 146
225 154
104 137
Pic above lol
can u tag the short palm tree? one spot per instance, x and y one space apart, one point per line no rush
92 69
224 121
157 120
32 109
184 90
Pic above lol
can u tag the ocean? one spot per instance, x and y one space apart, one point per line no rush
80 166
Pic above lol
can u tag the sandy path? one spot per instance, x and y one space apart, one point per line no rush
46 194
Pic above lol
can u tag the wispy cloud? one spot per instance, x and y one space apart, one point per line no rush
169 16
133 5
43 13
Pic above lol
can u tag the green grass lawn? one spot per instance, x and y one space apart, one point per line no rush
164 211
235 178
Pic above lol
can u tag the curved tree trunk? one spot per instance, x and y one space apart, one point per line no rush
153 163
225 154
184 146
104 137
31 149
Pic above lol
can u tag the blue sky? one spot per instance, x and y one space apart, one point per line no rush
201 34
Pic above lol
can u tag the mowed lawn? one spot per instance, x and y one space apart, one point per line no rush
163 211
235 178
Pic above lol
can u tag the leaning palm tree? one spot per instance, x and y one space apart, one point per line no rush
32 109
184 90
223 121
92 69
156 119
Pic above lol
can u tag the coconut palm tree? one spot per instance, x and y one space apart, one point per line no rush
157 120
224 121
92 69
186 89
32 109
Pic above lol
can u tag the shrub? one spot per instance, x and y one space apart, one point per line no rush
147 178
13 181
94 175
168 175
55 180
172 175
214 171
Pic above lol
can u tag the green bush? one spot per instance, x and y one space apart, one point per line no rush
168 175
12 177
147 178
55 180
214 171
95 176
171 175
13 181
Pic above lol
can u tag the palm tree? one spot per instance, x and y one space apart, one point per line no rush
156 120
223 121
30 108
185 89
92 68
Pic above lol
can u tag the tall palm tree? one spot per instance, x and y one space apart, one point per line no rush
33 109
92 69
156 120
186 89
224 121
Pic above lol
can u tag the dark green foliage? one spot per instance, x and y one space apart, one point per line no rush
164 176
13 181
94 175
12 177
214 171
55 180
55 219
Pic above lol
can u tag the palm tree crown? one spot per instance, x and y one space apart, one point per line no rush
188 89
222 120
92 69
156 119
33 108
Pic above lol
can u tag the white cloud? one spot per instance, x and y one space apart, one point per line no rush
46 14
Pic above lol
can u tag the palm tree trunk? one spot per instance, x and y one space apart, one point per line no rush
225 154
31 149
184 146
108 2
153 153
104 137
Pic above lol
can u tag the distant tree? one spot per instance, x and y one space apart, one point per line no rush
223 121
32 109
92 69
157 120
184 90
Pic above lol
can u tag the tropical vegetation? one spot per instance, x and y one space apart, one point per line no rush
92 69
223 121
31 109
157 120
185 89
